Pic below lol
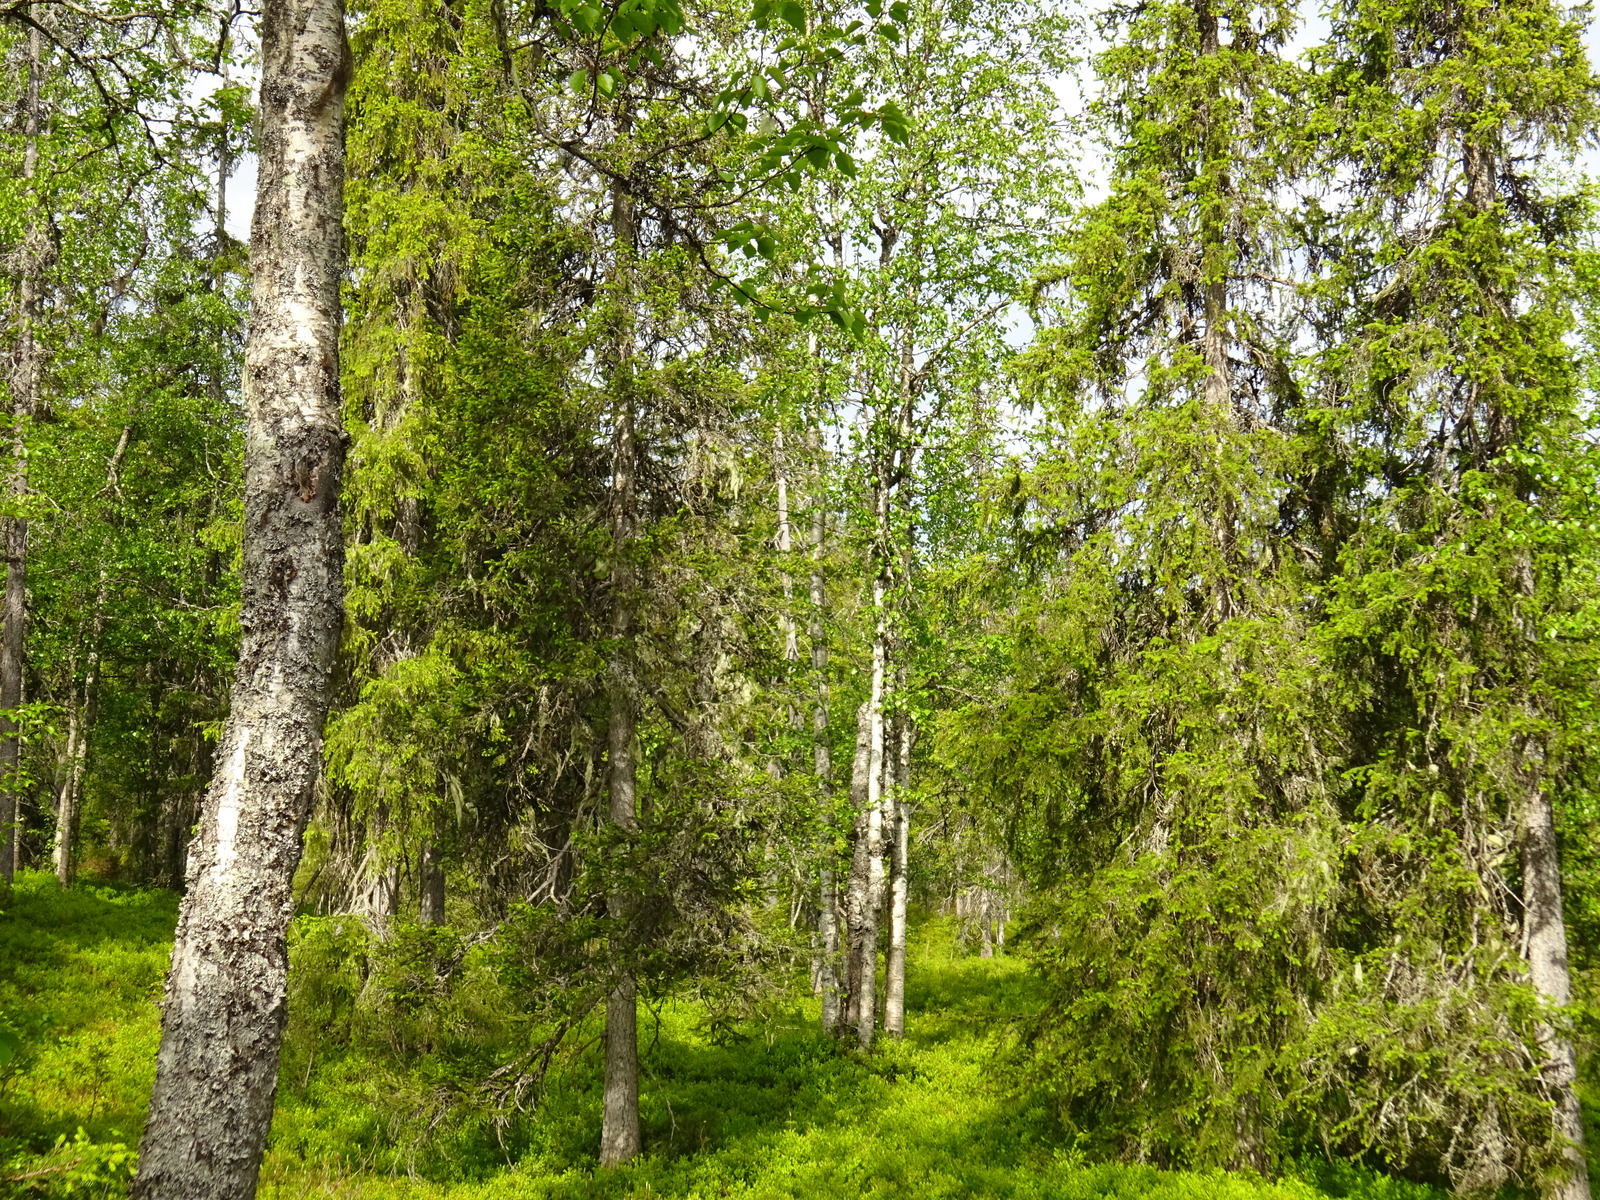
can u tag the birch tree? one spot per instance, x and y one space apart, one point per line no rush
222 1019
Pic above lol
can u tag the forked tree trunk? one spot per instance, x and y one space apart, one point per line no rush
1551 977
894 1003
14 529
222 1022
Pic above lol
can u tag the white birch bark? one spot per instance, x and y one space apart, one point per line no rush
859 915
894 1002
866 1011
822 765
223 1018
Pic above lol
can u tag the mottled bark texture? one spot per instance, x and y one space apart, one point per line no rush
827 921
222 1023
1551 976
894 983
14 529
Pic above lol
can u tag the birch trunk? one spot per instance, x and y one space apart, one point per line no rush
867 1012
827 918
1551 977
858 896
894 1003
14 529
222 1022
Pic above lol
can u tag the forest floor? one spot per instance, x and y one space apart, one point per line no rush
772 1111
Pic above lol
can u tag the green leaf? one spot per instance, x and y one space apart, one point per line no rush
578 81
794 14
10 1045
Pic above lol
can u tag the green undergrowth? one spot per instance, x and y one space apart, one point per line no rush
764 1109
80 978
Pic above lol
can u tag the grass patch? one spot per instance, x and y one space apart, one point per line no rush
776 1111
80 979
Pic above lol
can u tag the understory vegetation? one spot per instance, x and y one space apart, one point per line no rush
762 1106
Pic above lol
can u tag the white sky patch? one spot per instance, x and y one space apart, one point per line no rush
240 193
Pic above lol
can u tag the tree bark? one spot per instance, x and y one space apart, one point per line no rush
620 1135
1551 977
866 1011
431 909
857 892
894 1003
222 1023
14 529
822 765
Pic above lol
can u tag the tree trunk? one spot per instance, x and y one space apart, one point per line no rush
14 529
1551 977
222 1023
620 1135
858 894
865 897
866 1010
894 1003
827 918
431 872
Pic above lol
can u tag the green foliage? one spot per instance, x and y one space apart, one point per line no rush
1279 669
80 975
761 1107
